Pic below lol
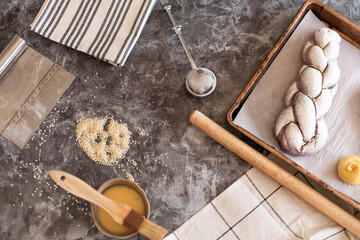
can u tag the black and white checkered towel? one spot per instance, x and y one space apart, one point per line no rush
106 29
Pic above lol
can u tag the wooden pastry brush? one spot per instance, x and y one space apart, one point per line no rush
121 213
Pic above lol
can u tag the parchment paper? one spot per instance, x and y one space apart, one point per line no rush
343 120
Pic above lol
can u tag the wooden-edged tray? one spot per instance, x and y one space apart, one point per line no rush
348 30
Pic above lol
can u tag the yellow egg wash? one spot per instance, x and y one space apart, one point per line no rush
126 195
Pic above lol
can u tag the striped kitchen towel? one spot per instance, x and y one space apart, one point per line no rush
106 29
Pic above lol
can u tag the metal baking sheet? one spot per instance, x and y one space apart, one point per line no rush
272 100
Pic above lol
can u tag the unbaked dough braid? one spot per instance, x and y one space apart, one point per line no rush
300 127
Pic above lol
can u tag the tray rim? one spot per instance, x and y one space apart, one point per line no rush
351 33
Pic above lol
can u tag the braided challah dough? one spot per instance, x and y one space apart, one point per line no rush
300 127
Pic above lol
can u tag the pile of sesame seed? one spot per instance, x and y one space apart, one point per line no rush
103 146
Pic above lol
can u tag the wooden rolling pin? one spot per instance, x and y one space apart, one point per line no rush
271 169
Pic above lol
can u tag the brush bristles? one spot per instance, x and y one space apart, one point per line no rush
152 230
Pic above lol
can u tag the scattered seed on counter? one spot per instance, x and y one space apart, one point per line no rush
141 132
133 162
129 176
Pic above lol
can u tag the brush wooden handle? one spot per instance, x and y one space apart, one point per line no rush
79 188
271 169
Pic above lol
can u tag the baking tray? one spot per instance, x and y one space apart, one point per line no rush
348 30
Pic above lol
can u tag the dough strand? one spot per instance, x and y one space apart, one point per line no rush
300 127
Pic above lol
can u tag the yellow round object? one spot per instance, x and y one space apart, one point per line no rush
349 169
